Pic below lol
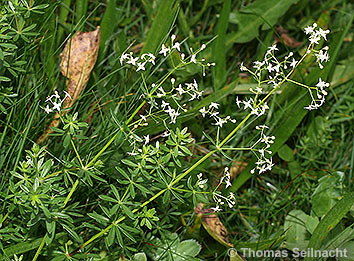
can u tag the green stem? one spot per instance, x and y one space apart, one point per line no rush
219 147
71 193
77 154
39 248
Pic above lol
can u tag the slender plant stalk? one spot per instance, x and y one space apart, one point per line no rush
40 248
170 186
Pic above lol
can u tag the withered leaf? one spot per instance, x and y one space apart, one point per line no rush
213 225
77 61
287 39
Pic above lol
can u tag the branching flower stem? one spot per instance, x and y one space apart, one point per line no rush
195 165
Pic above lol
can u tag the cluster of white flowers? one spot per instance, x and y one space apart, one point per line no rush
201 182
136 142
138 62
316 33
257 110
318 100
220 199
214 113
54 102
276 70
170 102
279 72
175 95
263 163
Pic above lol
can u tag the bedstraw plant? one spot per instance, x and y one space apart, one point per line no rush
156 174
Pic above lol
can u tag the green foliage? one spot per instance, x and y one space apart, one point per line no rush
263 13
172 248
119 180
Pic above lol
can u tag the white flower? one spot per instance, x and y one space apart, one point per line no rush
238 102
164 104
123 57
193 58
214 105
56 95
322 84
173 37
323 33
228 183
260 127
140 66
273 48
177 46
261 151
147 139
201 182
56 106
203 111
165 134
216 209
164 50
220 122
47 109
243 68
132 60
314 38
293 63
180 89
258 65
162 92
322 56
247 104
310 29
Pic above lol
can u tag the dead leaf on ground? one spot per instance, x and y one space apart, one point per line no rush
213 225
287 39
77 61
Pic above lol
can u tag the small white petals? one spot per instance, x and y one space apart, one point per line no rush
164 50
193 58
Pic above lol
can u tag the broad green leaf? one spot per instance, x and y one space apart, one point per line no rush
286 153
263 13
188 248
161 25
349 246
329 221
139 257
295 229
326 194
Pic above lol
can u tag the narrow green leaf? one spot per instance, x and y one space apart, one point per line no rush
109 22
330 220
161 25
219 53
111 236
263 13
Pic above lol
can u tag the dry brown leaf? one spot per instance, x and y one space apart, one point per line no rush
213 225
77 61
288 40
